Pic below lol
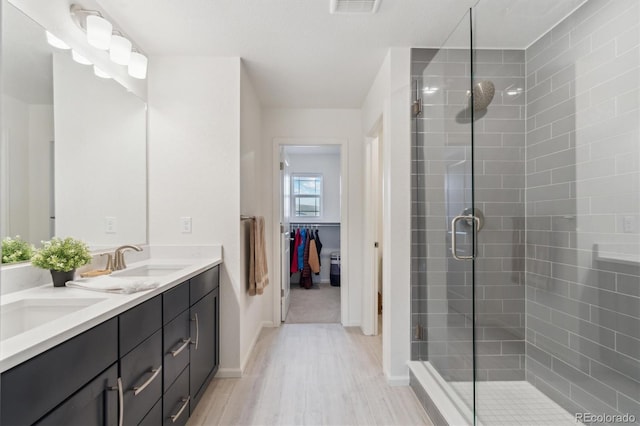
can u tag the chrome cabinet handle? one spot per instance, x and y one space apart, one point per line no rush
155 371
185 343
197 331
120 400
175 416
454 237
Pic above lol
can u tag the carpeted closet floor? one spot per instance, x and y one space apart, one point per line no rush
320 304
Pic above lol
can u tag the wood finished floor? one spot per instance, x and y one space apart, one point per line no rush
310 374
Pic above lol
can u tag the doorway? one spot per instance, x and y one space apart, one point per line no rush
310 207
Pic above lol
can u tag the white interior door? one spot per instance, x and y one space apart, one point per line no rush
285 214
373 248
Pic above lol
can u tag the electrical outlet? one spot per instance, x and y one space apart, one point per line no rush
110 225
185 224
628 224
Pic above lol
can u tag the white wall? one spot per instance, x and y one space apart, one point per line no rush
194 170
253 308
100 157
305 124
387 103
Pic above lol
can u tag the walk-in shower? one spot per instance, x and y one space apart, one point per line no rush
534 317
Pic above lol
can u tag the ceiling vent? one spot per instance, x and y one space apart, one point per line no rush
354 6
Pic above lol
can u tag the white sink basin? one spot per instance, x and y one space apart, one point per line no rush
23 315
149 271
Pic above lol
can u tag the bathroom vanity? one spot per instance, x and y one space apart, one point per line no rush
118 359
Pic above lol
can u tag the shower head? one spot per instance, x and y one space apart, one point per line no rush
483 95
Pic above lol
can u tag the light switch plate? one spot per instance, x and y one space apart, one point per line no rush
110 225
185 224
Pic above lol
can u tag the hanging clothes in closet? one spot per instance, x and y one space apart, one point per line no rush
295 243
301 247
314 259
306 279
319 249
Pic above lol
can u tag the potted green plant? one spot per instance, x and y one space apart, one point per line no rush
61 257
16 250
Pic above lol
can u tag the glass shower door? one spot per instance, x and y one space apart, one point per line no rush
444 174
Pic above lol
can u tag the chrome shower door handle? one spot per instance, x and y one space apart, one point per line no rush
454 238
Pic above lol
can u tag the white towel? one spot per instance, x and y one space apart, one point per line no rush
112 284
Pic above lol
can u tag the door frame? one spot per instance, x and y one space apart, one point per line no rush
344 217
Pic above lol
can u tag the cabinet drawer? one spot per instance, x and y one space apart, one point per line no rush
203 283
154 417
175 301
93 405
176 401
35 387
141 372
138 323
177 342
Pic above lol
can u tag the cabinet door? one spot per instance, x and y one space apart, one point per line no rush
203 350
94 405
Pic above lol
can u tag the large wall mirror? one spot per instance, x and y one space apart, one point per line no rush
74 159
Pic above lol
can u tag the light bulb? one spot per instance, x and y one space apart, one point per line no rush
120 50
99 32
138 65
56 42
98 72
79 58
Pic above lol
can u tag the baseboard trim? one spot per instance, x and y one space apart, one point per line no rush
229 373
398 380
245 361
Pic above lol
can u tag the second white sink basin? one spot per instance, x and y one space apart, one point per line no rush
24 315
149 271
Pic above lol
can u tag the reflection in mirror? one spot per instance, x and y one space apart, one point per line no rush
73 145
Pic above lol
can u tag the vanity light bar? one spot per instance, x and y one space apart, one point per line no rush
101 35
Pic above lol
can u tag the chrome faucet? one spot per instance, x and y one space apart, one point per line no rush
118 256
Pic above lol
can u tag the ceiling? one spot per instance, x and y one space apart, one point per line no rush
298 55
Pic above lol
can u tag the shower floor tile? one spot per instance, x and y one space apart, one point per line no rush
513 403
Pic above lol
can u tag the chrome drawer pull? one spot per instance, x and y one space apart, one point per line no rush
197 331
175 416
155 371
185 343
120 401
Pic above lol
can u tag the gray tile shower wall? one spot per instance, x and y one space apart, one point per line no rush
583 199
441 164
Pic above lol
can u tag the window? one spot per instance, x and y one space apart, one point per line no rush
306 191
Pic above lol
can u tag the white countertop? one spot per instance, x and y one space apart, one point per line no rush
34 341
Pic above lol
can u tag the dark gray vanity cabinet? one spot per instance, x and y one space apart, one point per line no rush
37 386
159 355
